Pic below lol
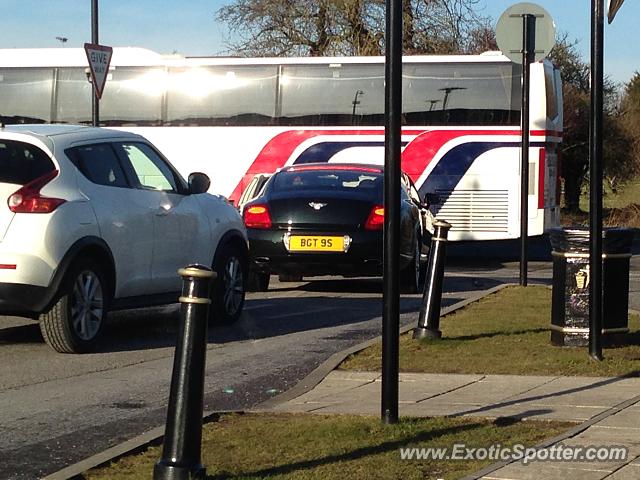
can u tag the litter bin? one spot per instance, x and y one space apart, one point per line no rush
570 297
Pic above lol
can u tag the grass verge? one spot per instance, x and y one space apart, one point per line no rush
300 446
619 209
504 333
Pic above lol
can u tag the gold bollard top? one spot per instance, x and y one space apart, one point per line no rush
194 272
441 223
198 271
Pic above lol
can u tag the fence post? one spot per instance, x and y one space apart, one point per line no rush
429 319
183 432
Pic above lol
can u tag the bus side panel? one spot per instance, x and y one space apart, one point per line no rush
225 154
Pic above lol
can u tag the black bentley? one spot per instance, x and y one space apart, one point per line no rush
327 219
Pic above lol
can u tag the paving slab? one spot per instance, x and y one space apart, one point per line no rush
536 412
495 389
628 472
546 471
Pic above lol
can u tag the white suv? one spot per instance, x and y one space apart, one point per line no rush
96 220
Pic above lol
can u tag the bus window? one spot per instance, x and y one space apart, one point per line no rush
133 96
550 88
73 101
323 95
460 94
232 95
25 95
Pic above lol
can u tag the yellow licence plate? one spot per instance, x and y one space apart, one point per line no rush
304 243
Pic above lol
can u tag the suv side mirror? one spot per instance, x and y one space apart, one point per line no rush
431 199
198 183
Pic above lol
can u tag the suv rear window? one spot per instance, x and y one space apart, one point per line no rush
21 163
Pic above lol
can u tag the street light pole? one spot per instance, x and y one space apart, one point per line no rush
528 57
95 105
391 232
595 179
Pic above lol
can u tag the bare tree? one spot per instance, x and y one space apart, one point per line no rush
348 27
279 27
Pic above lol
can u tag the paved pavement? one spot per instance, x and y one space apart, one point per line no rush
608 410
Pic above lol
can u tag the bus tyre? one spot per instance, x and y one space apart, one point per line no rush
228 291
74 323
258 282
412 276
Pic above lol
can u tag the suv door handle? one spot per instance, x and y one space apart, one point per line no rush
163 210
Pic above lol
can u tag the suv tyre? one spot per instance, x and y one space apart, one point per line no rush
74 323
228 292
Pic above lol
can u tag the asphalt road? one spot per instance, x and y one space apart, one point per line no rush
58 409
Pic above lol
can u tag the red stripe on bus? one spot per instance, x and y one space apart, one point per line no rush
278 150
415 158
542 157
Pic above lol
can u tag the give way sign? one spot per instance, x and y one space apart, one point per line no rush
99 58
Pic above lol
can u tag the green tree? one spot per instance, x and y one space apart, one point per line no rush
577 114
574 153
630 120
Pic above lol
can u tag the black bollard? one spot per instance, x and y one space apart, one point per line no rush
429 319
183 432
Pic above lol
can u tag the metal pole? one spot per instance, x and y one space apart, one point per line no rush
183 433
429 318
391 286
528 52
95 105
595 179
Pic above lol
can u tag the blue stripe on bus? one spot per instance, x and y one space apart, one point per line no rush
324 151
456 163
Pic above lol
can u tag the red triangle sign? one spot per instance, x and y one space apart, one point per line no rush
99 58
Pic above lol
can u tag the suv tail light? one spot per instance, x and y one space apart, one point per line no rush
376 218
28 199
257 216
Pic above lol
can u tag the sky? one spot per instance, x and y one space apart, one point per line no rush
189 27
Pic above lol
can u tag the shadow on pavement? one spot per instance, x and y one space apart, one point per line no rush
276 313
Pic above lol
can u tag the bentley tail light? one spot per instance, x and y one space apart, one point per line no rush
376 218
257 216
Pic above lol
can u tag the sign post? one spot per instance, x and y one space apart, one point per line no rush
525 33
97 55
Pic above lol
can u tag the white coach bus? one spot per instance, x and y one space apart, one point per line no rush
233 118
